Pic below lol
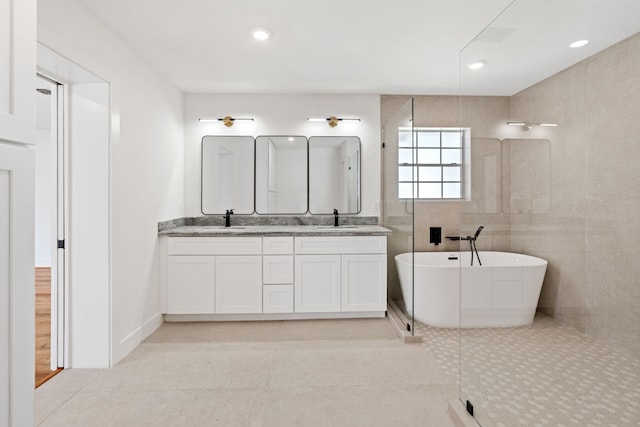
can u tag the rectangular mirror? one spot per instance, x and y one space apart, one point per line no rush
334 174
281 174
228 166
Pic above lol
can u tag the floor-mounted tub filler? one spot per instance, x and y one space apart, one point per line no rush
449 292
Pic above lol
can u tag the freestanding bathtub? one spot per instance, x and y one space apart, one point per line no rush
451 293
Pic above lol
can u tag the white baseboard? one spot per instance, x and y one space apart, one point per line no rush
268 316
131 341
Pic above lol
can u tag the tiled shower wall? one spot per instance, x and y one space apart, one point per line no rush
591 232
569 194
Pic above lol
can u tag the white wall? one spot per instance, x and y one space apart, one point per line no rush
88 241
146 163
284 115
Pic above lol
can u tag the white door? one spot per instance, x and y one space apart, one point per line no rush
17 73
17 69
364 282
238 284
317 283
17 327
190 284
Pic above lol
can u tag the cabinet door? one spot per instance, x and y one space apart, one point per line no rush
317 283
17 71
190 285
238 284
364 282
16 285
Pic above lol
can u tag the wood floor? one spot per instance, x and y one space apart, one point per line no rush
43 326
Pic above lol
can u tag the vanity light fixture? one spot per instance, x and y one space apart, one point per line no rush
226 120
333 120
579 43
476 65
528 126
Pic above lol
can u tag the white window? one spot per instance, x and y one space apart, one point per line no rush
430 164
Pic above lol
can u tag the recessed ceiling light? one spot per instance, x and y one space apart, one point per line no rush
476 65
579 43
260 34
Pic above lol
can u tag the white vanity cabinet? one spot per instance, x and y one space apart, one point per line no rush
341 273
258 277
207 275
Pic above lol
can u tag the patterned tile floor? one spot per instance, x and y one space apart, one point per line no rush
545 374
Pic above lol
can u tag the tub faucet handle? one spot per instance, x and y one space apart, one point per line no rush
475 236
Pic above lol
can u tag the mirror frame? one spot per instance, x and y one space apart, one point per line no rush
255 176
359 176
308 177
253 198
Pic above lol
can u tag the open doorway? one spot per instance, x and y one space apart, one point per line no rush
84 225
49 229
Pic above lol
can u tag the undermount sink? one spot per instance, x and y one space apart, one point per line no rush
340 227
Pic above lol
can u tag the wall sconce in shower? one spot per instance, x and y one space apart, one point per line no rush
528 126
333 120
226 120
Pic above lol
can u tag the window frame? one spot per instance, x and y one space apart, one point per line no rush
416 150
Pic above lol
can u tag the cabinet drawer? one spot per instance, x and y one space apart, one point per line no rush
277 245
277 269
214 246
341 245
277 299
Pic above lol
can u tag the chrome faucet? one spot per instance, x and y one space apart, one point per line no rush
227 218
336 218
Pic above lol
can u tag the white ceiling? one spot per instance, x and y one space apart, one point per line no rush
363 46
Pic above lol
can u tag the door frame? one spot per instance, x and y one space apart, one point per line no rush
59 261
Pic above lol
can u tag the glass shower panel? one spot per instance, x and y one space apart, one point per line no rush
399 191
549 323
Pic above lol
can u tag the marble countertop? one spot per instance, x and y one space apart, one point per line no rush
275 230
